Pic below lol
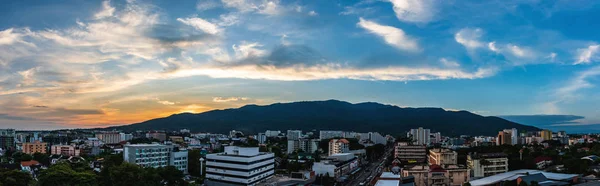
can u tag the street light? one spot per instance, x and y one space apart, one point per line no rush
201 163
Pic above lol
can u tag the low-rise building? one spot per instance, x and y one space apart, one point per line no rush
487 164
148 155
436 175
109 137
67 150
442 157
336 165
337 146
36 146
239 166
306 145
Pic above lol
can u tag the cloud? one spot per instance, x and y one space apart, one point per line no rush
391 35
520 51
585 55
449 63
8 37
543 120
200 24
9 117
248 50
312 13
257 6
469 38
415 11
204 5
492 46
107 10
229 99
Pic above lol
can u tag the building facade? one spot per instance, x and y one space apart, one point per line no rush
420 136
487 164
109 137
147 155
442 157
239 166
337 146
306 145
67 150
436 175
7 139
36 146
410 154
294 134
329 134
546 134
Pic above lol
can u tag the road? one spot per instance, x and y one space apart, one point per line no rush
371 170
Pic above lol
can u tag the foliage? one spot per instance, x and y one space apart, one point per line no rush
18 157
14 178
194 162
62 175
43 158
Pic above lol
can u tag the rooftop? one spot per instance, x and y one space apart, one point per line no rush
513 175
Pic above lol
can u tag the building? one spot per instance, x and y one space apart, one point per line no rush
504 138
337 146
442 157
235 133
148 155
410 154
272 133
487 164
377 138
36 146
126 137
161 136
393 179
7 139
336 165
294 134
109 137
437 138
262 138
306 145
546 134
66 150
179 159
436 175
239 166
329 134
514 136
176 139
420 136
548 178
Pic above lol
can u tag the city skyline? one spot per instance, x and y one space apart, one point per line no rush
83 64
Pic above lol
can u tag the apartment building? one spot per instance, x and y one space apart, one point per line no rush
109 137
487 164
7 139
306 145
66 150
36 146
442 157
337 146
239 166
420 136
155 155
328 134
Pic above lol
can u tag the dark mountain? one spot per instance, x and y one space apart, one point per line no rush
331 115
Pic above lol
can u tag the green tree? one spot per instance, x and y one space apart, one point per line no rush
14 177
171 175
43 158
62 175
194 162
18 157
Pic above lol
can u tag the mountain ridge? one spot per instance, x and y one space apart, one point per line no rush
331 115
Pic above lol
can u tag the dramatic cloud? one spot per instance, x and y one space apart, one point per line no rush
417 11
542 120
391 35
200 24
585 55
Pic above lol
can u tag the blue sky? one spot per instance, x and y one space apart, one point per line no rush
76 63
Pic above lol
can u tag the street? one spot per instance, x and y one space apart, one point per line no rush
370 171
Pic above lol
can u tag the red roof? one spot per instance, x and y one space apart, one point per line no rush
29 163
542 158
436 168
344 141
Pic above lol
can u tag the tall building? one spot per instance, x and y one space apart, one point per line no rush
67 150
155 155
294 134
109 137
262 138
377 138
338 146
437 137
514 136
504 138
7 139
32 148
442 157
306 145
487 164
126 137
328 134
420 136
546 134
410 154
239 166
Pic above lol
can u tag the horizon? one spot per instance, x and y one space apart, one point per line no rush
92 64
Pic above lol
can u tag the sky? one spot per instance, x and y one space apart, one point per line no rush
82 64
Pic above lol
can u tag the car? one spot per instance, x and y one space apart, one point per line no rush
361 183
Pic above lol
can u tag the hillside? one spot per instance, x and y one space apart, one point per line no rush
331 115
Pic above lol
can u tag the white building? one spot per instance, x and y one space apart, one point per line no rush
156 155
109 137
420 136
239 166
272 133
294 134
336 165
338 146
262 138
487 164
306 145
328 134
437 138
126 137
377 138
